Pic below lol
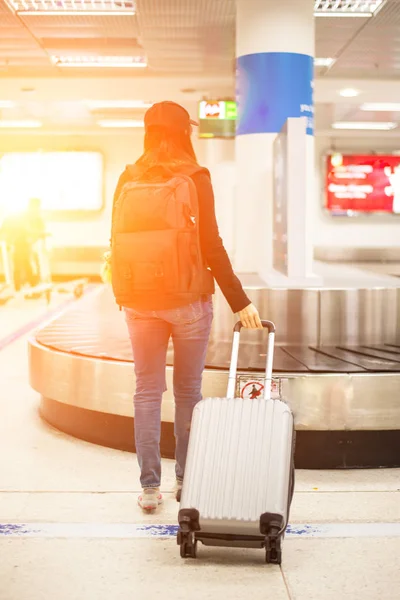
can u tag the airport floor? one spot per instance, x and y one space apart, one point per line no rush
70 528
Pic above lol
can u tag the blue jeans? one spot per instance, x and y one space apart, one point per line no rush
150 331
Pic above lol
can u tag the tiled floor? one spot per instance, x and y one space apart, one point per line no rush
50 478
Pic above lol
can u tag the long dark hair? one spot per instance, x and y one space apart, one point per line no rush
166 148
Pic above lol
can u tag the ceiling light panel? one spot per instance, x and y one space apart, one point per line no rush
116 104
73 7
25 124
366 126
120 124
381 106
347 8
323 62
99 61
349 93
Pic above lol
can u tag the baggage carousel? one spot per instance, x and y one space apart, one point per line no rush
337 364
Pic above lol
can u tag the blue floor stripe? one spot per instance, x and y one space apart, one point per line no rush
132 531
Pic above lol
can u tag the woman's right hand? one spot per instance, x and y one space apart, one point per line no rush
250 318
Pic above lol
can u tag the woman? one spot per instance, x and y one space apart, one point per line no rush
168 145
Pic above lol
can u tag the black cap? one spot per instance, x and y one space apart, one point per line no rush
168 114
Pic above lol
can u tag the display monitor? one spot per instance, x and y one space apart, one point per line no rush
363 184
65 182
217 118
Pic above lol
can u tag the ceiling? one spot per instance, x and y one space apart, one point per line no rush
189 46
176 36
182 37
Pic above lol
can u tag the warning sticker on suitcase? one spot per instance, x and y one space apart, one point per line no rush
253 387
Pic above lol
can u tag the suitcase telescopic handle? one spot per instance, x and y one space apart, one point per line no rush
269 360
266 324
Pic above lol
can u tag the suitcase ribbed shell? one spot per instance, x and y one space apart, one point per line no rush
239 463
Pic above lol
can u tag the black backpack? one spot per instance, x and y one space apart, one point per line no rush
156 259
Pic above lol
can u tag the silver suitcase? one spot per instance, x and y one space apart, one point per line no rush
239 476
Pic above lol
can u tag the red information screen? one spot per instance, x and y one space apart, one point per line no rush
365 184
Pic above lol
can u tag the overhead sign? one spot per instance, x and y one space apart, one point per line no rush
217 119
218 109
213 110
363 184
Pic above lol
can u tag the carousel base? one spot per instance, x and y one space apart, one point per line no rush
314 449
345 395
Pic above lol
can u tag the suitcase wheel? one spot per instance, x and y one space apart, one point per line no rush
188 545
273 552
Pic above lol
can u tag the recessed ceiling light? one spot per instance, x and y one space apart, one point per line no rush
323 62
121 123
6 104
99 61
73 7
381 106
347 8
99 104
28 124
349 93
368 125
337 160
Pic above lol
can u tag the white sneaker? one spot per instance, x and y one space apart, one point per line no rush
150 499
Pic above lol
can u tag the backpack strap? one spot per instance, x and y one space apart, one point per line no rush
150 174
189 169
135 172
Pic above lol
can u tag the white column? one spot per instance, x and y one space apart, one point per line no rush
220 160
281 33
218 151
